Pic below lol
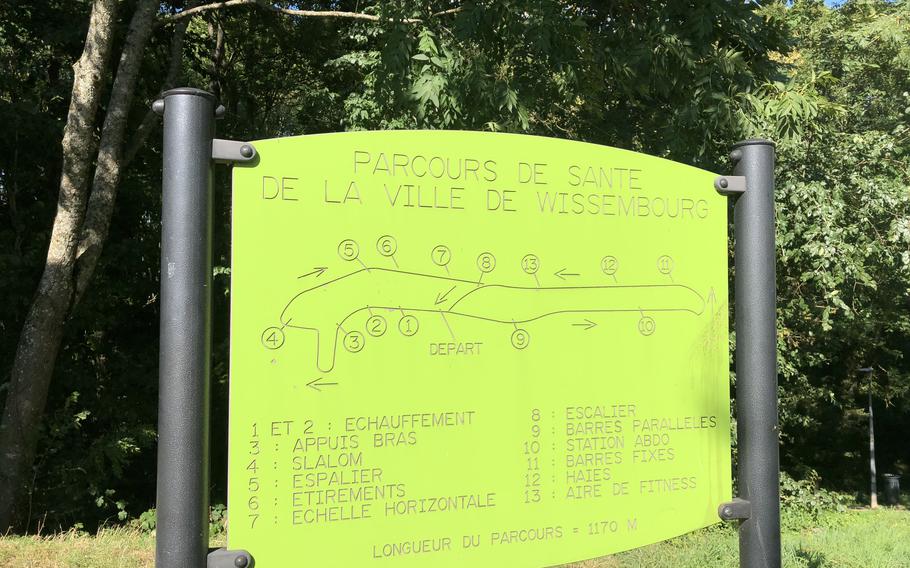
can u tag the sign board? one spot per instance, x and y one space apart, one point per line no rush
461 348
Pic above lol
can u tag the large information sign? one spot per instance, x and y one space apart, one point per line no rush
473 349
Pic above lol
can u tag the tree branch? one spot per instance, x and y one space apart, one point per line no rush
151 119
189 12
205 8
109 165
332 14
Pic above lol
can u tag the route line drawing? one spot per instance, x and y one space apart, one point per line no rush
316 309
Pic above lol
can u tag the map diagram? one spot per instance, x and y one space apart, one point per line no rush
373 299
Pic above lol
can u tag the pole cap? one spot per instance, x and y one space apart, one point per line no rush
188 91
755 142
159 104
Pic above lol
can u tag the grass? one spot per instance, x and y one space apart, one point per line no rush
858 538
120 548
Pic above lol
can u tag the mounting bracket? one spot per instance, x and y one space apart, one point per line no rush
224 558
230 151
730 185
735 510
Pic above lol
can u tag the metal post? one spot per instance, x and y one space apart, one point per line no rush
756 355
185 360
873 491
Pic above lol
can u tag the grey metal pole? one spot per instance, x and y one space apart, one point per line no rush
185 359
873 491
756 355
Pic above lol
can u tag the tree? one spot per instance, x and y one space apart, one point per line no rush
840 116
41 333
80 226
660 77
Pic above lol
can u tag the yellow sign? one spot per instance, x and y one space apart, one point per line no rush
473 349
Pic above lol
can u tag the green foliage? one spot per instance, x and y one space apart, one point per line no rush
682 80
147 521
217 521
803 504
840 116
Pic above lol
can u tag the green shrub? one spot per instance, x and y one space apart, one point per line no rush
148 520
804 504
217 520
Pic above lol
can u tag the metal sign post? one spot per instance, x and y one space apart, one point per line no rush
190 150
758 505
186 329
756 355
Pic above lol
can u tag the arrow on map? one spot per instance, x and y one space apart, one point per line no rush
587 324
441 297
317 384
318 270
561 273
712 300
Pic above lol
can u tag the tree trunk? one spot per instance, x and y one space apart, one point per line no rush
42 331
110 152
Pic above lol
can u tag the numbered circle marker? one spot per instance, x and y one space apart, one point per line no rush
646 325
408 325
609 264
387 245
520 338
665 264
272 338
348 249
530 263
377 326
486 262
353 341
441 255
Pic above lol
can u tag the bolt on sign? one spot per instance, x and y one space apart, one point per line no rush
461 348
